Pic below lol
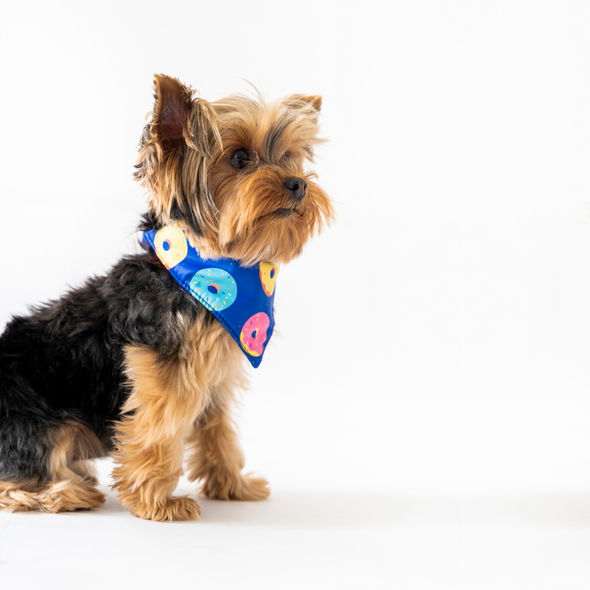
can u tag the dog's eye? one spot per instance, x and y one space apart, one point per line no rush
286 157
239 158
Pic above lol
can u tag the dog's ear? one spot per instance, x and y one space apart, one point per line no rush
202 133
315 102
301 101
179 118
172 105
174 150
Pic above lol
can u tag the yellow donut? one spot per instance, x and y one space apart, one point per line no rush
268 277
171 246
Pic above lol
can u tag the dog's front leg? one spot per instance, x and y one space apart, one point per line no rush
217 461
159 413
215 455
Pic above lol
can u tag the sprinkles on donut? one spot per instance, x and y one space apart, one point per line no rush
253 334
215 288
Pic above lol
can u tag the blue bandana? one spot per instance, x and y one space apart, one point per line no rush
240 298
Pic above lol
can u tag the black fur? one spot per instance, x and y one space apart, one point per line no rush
65 360
273 139
184 212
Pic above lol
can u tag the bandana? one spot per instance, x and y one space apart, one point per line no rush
241 298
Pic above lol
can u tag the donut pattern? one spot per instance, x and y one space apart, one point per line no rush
171 246
215 288
240 297
268 277
253 335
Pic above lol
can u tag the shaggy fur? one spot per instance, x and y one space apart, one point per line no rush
130 363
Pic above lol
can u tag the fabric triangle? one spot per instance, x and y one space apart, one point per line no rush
241 298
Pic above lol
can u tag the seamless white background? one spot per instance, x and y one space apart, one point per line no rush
423 416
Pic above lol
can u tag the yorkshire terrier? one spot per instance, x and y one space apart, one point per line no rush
145 361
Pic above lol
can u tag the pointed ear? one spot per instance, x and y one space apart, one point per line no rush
173 102
300 100
202 132
315 102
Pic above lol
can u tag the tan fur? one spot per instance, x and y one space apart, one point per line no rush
160 166
61 496
215 456
166 400
248 229
236 210
71 486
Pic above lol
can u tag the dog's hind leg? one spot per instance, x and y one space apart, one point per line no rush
36 463
86 470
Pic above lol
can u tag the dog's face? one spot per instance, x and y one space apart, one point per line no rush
231 173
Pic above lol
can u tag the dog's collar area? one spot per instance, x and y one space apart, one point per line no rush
241 298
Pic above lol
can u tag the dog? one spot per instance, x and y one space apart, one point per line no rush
136 364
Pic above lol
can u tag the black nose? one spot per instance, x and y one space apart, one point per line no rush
297 186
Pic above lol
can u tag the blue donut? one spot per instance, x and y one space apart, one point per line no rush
215 288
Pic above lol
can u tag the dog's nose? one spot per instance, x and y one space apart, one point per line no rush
297 187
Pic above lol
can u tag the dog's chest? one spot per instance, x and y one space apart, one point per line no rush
212 355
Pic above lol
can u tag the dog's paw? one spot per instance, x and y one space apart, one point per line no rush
70 495
222 486
253 488
175 508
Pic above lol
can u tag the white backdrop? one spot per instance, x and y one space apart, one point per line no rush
434 342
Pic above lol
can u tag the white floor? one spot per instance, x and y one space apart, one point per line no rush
309 540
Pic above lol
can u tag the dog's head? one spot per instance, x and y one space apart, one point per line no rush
231 173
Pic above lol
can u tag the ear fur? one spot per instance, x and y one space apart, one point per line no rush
181 136
202 133
315 101
172 106
300 101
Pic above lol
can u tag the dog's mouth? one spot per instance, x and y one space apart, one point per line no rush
282 212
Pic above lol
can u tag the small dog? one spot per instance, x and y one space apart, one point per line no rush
134 364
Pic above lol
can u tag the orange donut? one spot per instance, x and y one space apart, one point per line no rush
268 277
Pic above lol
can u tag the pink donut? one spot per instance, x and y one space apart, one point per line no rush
253 334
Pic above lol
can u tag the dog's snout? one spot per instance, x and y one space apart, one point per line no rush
297 187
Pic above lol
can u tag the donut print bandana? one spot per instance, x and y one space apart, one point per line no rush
241 298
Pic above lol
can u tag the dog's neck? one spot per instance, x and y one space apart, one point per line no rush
240 297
